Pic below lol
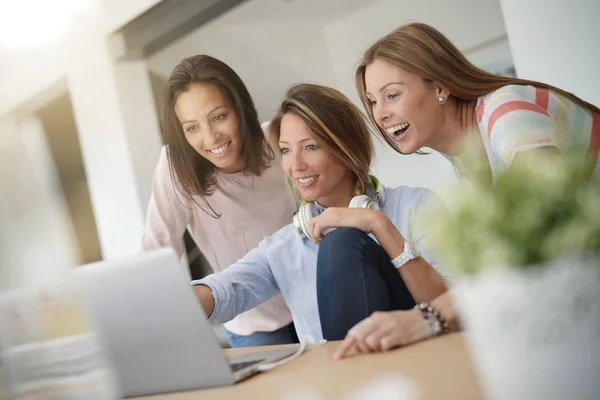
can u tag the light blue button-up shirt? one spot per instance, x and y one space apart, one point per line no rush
287 263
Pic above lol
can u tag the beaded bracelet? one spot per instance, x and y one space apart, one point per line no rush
432 317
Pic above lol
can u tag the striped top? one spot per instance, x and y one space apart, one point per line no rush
518 118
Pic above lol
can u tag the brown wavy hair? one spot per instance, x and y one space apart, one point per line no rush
338 126
424 51
192 172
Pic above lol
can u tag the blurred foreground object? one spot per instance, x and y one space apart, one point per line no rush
48 349
531 301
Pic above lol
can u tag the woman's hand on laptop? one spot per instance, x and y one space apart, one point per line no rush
383 331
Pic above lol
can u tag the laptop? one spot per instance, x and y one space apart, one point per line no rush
153 329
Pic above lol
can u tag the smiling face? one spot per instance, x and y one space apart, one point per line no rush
404 105
316 175
211 126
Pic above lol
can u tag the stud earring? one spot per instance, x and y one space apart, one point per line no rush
441 100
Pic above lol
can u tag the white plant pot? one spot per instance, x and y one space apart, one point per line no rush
535 333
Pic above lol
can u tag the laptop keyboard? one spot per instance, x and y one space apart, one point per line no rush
237 366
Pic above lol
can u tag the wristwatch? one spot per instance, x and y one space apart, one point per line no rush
411 251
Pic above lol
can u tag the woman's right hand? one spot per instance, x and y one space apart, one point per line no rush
385 330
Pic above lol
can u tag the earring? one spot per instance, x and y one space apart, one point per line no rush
441 100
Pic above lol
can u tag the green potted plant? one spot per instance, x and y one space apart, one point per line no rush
528 251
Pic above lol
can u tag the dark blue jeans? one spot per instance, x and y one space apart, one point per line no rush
355 277
284 335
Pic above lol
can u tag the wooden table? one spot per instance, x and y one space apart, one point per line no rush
440 367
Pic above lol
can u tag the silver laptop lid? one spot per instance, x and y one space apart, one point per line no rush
151 325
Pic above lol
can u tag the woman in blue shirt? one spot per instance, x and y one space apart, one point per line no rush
334 265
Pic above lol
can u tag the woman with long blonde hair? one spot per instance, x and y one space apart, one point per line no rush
420 91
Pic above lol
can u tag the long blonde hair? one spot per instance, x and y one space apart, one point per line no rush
424 51
338 126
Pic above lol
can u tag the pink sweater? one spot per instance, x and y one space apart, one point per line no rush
251 208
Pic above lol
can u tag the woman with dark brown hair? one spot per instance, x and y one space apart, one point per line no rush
353 247
219 178
420 91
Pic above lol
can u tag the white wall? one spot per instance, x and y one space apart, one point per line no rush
26 73
562 49
272 45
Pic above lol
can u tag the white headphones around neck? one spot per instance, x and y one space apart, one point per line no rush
308 210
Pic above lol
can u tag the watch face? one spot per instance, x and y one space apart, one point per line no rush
413 248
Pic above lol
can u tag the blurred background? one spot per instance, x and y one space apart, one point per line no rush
88 76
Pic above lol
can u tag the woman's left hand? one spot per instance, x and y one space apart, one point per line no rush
383 331
363 219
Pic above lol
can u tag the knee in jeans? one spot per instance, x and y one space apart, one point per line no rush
339 249
342 237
